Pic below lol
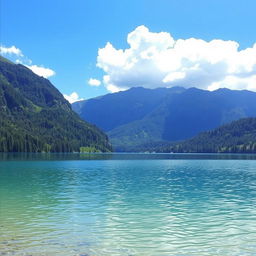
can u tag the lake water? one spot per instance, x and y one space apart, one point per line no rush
128 205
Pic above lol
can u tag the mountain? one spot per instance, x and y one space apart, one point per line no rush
235 137
137 116
116 109
34 116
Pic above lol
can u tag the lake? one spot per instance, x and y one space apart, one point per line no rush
127 204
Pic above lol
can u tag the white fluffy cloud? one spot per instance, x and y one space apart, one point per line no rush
41 71
21 59
73 97
11 50
94 82
158 60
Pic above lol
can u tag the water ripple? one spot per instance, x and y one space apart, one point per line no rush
128 208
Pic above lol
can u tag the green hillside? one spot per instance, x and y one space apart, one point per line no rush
235 137
35 117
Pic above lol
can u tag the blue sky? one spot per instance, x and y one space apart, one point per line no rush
65 35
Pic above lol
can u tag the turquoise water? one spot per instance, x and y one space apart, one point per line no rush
155 205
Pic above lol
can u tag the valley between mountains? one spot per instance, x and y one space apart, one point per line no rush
166 119
35 117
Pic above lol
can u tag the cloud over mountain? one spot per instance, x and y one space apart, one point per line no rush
73 97
158 60
10 50
41 71
22 59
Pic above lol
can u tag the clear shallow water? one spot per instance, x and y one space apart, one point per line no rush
123 207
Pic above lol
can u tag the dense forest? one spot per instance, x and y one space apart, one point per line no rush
34 116
235 137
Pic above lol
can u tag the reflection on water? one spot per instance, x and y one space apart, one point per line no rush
123 207
119 156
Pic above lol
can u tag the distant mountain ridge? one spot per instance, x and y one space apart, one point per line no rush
35 117
122 107
137 116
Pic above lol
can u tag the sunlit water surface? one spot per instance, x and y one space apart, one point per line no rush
117 206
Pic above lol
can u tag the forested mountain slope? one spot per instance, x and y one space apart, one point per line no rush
235 137
34 116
